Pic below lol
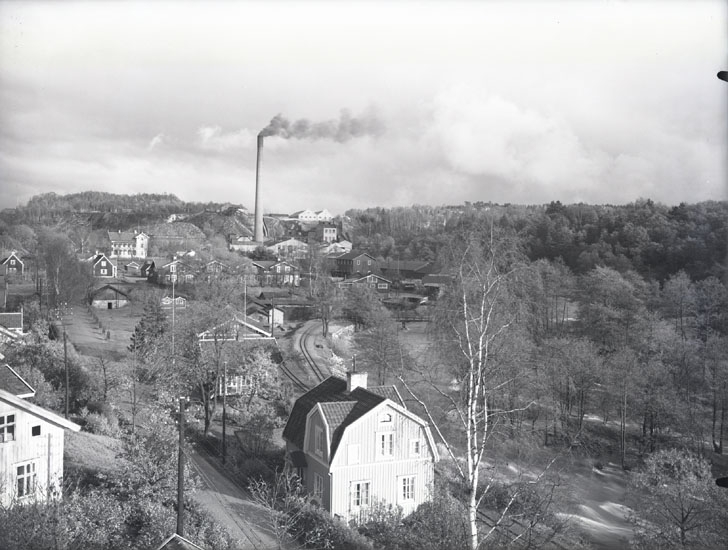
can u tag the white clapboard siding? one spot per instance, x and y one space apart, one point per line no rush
45 450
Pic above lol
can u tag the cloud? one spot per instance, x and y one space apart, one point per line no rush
156 141
213 138
485 134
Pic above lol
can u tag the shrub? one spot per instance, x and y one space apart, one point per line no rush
101 425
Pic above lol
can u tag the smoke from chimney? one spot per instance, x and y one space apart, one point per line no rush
341 130
344 129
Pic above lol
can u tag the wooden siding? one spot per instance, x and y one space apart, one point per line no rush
45 450
384 473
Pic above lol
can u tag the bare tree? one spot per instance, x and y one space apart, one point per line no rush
474 317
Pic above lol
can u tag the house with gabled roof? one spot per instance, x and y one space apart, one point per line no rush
181 271
373 281
128 244
237 328
336 248
277 273
31 444
12 264
352 264
109 297
102 266
354 446
288 248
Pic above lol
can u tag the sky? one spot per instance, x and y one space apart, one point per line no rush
378 104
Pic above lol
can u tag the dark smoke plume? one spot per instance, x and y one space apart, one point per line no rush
340 130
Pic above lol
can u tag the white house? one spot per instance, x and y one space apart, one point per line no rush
354 446
31 444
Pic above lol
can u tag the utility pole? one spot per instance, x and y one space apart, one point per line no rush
65 362
181 470
224 393
174 278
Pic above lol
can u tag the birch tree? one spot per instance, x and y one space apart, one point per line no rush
474 319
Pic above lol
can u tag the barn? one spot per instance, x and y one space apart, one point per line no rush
109 297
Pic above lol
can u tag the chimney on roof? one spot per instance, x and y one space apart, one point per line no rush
355 380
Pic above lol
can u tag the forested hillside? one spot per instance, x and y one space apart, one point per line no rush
652 239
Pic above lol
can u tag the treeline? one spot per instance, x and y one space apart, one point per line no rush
649 238
103 210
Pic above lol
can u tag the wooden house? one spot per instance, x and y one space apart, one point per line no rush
354 446
31 444
288 248
127 244
238 328
12 264
277 273
109 297
102 266
336 248
352 265
376 282
179 302
182 272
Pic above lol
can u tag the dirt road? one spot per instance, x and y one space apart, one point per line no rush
231 506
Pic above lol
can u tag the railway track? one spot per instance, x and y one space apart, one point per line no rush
318 373
295 380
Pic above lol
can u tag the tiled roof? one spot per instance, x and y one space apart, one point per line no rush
331 389
11 381
339 407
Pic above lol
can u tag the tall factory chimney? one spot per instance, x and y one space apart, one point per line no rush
258 233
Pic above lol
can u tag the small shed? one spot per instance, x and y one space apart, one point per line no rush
109 297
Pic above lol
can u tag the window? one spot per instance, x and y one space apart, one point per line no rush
382 286
7 428
103 263
173 268
26 480
415 447
353 453
301 473
35 430
318 487
103 272
319 441
369 262
386 444
358 262
360 493
407 488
